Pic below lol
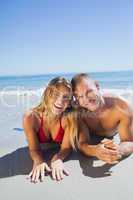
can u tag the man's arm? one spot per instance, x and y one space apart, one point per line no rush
125 130
100 151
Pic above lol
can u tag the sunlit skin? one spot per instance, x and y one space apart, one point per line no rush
88 96
58 101
105 115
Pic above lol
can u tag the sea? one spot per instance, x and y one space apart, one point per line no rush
120 82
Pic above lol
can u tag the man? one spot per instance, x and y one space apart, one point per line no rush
102 116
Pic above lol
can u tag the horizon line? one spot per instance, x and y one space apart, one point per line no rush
65 73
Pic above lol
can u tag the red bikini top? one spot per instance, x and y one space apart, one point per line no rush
42 135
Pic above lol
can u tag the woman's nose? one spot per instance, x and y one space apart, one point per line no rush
60 100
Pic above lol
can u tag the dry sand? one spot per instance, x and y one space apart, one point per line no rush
89 178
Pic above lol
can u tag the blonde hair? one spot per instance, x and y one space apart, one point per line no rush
52 85
70 113
72 126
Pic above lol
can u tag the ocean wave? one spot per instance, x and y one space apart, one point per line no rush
126 93
39 91
118 91
29 98
21 92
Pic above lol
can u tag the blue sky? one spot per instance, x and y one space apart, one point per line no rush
51 36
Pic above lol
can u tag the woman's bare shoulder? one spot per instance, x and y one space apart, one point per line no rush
30 116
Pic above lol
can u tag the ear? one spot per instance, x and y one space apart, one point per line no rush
97 85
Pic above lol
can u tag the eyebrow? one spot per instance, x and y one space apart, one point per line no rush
87 91
64 94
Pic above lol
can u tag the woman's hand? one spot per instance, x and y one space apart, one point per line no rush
38 172
58 170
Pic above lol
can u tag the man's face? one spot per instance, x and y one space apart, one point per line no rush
88 95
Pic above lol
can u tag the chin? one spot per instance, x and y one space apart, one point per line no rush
93 109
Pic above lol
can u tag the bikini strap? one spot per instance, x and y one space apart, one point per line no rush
61 124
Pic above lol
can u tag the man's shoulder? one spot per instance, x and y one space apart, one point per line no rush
121 102
116 100
118 104
123 107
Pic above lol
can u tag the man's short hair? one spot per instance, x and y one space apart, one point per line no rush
78 78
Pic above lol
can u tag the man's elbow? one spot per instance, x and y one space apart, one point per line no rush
126 147
82 147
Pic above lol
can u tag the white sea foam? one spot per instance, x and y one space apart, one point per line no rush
28 94
127 94
39 91
19 92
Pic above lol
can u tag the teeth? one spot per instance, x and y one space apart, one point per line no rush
58 107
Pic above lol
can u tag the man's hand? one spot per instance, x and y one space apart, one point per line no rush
58 170
108 152
38 172
110 144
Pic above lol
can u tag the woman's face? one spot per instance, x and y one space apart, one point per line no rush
59 100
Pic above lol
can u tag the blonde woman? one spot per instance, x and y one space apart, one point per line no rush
51 121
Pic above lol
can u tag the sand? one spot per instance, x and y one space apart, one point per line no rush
89 178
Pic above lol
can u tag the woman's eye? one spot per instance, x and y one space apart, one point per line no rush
67 98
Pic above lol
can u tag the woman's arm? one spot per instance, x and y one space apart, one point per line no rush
65 149
30 124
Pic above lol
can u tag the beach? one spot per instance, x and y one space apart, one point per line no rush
89 178
54 39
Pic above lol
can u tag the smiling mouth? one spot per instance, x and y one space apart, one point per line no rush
58 107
